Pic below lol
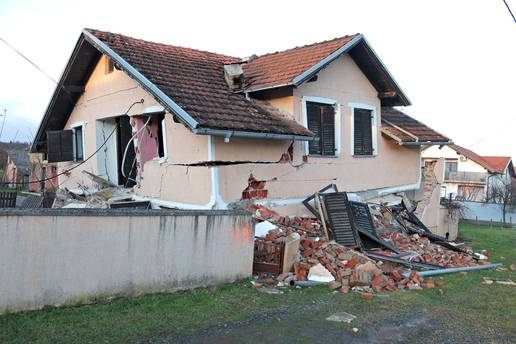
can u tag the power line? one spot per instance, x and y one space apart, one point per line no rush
82 162
28 60
509 9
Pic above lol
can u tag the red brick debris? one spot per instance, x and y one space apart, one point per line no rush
350 268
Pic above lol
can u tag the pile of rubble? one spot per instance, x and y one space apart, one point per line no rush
349 268
420 249
321 260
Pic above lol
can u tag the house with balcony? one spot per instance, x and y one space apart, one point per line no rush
468 175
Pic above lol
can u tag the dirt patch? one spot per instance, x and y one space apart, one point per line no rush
308 324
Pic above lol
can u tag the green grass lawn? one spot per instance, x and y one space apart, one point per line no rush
162 315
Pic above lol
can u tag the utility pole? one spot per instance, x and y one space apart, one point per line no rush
3 122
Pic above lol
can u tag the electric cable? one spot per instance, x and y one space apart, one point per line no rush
128 143
509 9
82 162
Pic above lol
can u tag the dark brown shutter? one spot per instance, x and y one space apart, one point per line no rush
363 135
60 145
328 132
321 121
313 116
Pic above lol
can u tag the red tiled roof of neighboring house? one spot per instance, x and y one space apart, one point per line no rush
280 68
498 163
195 81
404 129
494 164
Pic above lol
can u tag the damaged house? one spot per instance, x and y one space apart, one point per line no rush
192 129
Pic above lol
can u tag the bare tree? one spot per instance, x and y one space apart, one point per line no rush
503 192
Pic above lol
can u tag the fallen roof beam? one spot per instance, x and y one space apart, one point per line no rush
407 263
453 270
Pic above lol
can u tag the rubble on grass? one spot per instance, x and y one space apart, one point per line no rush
422 250
351 269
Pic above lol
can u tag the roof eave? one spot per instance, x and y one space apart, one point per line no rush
425 143
252 134
308 74
58 89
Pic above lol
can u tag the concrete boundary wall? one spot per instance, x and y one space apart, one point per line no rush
488 212
71 256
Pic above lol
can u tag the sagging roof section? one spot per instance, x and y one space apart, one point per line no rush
293 67
406 130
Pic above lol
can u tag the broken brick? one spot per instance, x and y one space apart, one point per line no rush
367 296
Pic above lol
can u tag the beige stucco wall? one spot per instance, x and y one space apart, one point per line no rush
343 82
58 259
110 95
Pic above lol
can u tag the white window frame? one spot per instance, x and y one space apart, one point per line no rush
163 125
374 128
74 126
338 121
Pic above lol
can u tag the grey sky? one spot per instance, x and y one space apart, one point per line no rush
456 60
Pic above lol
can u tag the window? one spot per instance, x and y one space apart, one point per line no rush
450 166
321 121
362 132
78 143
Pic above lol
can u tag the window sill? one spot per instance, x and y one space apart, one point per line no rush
323 156
364 156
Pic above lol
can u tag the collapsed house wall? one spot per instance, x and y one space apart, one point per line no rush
62 256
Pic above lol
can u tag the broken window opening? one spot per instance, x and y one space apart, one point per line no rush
321 121
125 166
162 136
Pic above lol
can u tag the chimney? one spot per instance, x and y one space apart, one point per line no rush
234 75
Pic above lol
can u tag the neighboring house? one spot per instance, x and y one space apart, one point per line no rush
42 174
15 164
468 175
214 129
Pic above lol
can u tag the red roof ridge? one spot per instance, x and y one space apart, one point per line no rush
499 163
475 157
163 44
307 45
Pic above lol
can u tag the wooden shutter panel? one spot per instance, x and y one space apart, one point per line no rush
363 134
328 130
60 145
321 121
313 117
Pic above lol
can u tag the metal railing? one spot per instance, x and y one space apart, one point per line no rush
472 177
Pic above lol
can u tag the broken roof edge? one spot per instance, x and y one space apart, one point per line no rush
417 142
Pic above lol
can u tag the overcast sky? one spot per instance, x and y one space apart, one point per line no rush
456 60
